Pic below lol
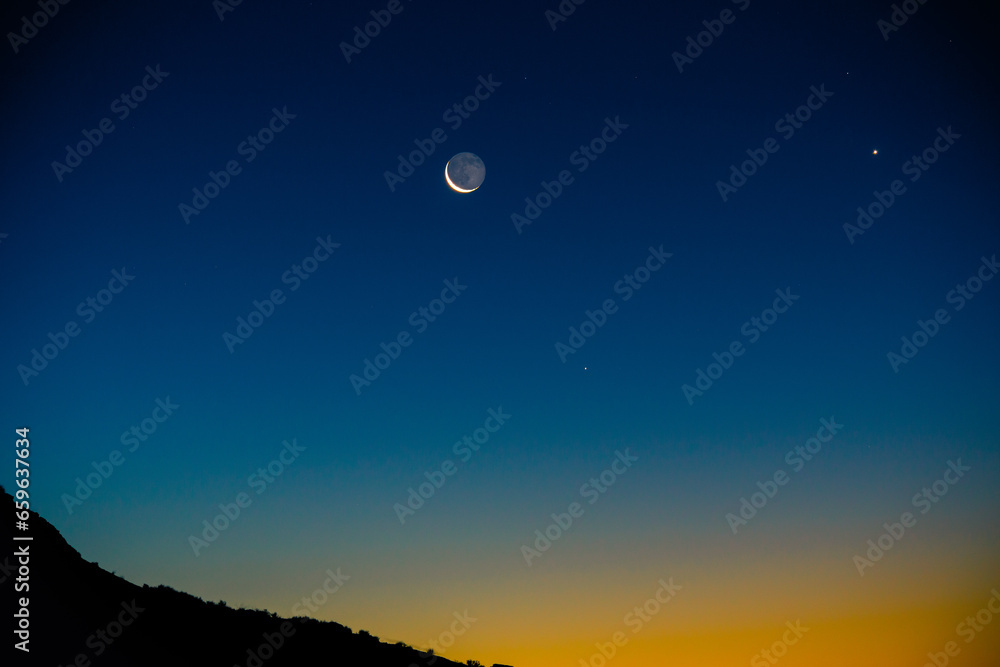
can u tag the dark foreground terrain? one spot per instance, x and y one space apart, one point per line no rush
82 615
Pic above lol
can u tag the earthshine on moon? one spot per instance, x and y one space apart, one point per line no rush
465 172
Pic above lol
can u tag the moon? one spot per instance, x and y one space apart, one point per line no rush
465 172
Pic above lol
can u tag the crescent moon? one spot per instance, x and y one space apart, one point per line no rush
451 184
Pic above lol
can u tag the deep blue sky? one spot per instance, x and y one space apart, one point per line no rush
655 185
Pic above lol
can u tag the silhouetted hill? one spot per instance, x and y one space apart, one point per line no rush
75 608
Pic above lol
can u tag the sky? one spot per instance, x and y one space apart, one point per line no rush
721 313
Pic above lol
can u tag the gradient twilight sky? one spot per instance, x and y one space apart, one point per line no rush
494 347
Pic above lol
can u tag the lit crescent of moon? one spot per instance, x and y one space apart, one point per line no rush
465 172
451 184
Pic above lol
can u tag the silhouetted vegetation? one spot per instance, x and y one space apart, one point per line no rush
74 603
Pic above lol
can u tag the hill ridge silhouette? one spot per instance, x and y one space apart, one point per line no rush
76 607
